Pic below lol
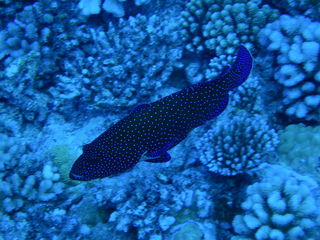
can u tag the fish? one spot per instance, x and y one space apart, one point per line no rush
150 130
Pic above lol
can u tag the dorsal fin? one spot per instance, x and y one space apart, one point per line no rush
139 108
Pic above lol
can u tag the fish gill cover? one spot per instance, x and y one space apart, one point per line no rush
72 69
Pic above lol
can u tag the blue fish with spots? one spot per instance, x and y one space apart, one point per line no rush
150 130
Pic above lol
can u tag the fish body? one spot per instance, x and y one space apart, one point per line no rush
150 130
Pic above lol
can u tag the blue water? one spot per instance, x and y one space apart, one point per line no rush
72 69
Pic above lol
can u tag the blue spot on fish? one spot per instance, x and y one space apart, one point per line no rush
150 130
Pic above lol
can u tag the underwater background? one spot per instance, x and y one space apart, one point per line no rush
69 69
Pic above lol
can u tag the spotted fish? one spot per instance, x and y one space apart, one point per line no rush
150 130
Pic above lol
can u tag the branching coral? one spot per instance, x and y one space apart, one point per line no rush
239 146
281 206
54 59
107 66
27 187
28 57
17 188
295 41
309 8
248 96
221 26
154 205
131 59
158 205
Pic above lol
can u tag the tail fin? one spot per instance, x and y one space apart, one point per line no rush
239 71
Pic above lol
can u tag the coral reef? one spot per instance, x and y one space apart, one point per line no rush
281 206
308 8
102 66
248 96
238 146
221 26
114 7
140 53
18 187
69 69
27 186
29 52
155 204
295 43
298 148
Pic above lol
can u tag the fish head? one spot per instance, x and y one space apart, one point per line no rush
82 170
91 164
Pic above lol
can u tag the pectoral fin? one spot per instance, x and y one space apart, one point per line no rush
165 157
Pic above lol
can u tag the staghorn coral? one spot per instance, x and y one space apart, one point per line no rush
238 146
